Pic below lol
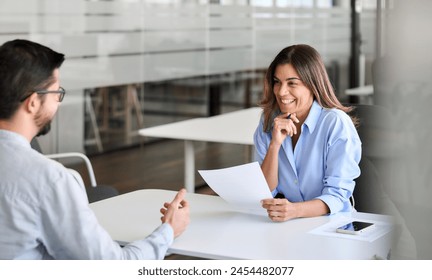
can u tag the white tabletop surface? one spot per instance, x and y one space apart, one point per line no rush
218 231
236 127
360 91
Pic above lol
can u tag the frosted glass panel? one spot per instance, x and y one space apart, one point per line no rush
121 42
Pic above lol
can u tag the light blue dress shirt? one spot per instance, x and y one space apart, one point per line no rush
324 163
44 212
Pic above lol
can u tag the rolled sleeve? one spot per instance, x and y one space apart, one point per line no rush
342 168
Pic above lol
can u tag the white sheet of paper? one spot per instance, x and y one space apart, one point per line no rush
242 186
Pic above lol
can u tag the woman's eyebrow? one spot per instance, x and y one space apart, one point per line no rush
293 78
288 79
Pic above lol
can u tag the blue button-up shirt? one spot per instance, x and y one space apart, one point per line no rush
44 212
323 164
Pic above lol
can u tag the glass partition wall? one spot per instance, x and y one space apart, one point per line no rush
135 63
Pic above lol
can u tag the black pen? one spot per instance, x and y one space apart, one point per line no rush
288 117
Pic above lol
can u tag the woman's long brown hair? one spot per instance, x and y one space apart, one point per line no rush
310 67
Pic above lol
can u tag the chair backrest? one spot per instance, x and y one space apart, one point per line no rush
94 192
35 145
376 128
368 192
372 116
69 156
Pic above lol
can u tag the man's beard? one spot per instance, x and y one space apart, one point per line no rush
45 129
43 121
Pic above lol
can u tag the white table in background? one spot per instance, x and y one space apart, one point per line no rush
217 231
363 91
360 91
234 128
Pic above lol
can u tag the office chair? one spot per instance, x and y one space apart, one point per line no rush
94 192
381 142
376 126
368 195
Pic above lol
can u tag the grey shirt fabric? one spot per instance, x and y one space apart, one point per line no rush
44 212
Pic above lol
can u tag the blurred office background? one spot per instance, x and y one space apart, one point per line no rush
132 64
139 63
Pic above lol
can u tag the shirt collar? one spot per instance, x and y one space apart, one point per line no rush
313 116
14 137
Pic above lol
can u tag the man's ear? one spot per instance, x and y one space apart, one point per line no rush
32 103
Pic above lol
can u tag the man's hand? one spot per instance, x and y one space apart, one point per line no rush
176 213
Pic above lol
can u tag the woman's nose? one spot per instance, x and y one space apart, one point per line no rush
283 90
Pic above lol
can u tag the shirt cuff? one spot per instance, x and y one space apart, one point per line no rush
332 203
167 232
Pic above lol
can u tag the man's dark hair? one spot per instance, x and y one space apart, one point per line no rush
25 66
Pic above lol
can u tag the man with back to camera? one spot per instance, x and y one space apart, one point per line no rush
44 211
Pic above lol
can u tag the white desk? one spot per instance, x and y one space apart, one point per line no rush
217 231
360 91
363 91
236 128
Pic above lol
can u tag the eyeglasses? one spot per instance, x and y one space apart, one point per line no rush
61 91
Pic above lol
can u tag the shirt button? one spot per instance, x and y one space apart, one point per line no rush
295 182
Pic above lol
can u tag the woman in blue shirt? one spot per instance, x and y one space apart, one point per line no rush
306 143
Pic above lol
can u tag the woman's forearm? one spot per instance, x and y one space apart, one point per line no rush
311 208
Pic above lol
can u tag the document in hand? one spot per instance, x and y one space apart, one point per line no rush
243 186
